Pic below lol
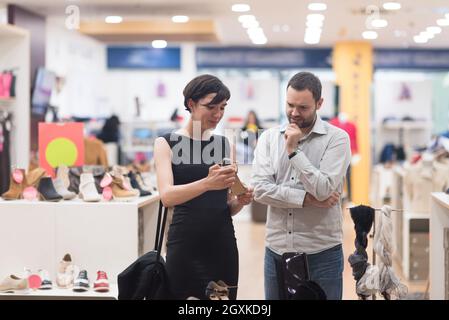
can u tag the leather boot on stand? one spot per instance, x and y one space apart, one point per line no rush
47 190
15 188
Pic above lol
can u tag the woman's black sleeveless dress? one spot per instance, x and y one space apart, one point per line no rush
201 244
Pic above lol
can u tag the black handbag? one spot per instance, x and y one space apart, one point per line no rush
146 278
294 279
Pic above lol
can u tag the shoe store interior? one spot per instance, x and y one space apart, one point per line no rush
330 179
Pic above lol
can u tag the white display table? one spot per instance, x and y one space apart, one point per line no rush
438 222
105 236
61 294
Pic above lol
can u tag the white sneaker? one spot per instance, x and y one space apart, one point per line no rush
46 281
66 272
88 191
62 190
13 282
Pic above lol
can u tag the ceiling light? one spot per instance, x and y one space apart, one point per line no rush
315 16
259 40
113 19
314 23
419 39
159 44
180 19
246 17
240 7
434 30
276 28
443 22
310 40
369 35
427 35
313 32
317 6
286 28
392 6
255 32
379 23
250 24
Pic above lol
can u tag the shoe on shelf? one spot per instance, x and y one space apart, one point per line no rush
66 272
17 183
62 190
47 190
12 282
62 173
46 283
87 190
81 283
122 192
34 176
136 185
102 283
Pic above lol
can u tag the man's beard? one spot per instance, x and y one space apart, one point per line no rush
304 124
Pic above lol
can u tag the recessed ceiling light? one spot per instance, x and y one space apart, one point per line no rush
443 22
286 28
240 7
159 44
247 17
420 39
315 16
314 23
250 24
433 29
427 35
113 19
310 40
379 23
392 6
369 35
180 19
317 6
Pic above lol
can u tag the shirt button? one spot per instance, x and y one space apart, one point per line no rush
289 232
290 214
293 178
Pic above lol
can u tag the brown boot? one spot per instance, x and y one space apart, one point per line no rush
15 189
34 176
120 193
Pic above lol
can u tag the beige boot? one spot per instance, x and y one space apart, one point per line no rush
15 189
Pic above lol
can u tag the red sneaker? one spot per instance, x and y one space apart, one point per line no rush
102 283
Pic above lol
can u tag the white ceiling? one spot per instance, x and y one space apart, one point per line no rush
345 19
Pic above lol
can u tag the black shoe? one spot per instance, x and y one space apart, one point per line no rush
136 185
47 190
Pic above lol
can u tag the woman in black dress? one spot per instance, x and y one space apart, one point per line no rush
201 244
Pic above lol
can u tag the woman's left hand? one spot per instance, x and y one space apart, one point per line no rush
246 198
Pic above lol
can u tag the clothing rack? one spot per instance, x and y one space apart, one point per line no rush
372 237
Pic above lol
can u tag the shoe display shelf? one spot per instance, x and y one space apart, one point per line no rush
105 236
439 247
15 55
61 294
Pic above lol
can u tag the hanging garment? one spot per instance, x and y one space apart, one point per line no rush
363 220
5 156
381 278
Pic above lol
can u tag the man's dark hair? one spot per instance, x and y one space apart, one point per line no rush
306 80
203 85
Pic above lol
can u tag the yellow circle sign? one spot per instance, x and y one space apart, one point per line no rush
61 151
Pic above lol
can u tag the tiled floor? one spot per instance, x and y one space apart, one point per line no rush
250 240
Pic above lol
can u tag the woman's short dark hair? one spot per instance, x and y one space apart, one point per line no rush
306 80
203 85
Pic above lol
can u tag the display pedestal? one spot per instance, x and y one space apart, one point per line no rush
439 251
106 236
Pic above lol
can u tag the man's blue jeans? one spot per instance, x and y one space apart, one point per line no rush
325 268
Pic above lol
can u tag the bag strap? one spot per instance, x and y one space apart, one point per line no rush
160 228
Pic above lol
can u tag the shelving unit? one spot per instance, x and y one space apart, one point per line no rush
439 247
15 54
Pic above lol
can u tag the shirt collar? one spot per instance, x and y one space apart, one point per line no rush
318 127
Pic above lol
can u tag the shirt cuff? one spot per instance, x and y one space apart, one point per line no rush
296 196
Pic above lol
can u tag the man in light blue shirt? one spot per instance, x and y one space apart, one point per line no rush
298 171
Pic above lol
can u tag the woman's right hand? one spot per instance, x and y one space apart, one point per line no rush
220 177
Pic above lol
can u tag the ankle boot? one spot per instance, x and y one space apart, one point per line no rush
62 173
47 190
62 190
15 189
88 192
34 176
136 185
120 192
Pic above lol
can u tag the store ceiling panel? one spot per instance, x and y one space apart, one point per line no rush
283 21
